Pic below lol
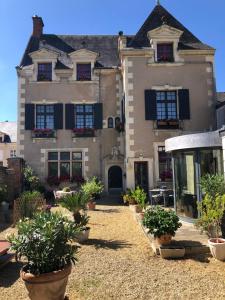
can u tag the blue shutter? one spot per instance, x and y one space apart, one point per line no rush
70 116
150 105
29 116
184 104
58 116
98 115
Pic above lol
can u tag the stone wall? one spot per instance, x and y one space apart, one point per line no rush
12 176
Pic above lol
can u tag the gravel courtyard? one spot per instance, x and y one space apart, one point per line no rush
117 263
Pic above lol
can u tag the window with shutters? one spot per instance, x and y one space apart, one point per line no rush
44 72
83 120
84 72
165 52
166 102
44 122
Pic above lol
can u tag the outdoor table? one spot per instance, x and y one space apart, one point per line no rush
61 194
161 192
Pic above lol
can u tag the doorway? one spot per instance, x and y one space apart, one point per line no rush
115 178
141 175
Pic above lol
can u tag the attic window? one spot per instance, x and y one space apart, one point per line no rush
165 52
84 72
44 72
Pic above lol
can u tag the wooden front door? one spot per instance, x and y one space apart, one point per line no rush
141 175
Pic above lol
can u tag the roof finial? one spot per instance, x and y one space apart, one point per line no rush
158 2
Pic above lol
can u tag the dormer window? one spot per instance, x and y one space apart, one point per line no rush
165 52
44 72
84 71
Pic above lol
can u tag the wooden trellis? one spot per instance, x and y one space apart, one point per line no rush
38 202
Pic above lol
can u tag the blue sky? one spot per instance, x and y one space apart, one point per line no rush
205 18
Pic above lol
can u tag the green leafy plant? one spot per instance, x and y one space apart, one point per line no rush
128 197
213 185
45 242
140 197
31 181
74 203
211 210
28 203
92 187
159 221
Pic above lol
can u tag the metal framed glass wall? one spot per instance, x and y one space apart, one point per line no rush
189 166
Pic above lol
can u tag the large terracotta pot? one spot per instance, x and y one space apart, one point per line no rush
164 239
135 208
217 248
49 286
91 205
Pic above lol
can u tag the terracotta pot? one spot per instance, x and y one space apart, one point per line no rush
135 208
91 205
164 239
217 248
83 235
49 286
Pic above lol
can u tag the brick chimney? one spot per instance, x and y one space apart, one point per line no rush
37 26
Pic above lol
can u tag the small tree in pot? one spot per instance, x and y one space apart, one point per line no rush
162 224
93 188
75 203
46 243
140 198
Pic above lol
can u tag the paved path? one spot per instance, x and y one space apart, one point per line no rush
117 263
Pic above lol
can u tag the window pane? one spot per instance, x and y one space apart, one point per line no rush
77 156
50 122
165 52
40 122
49 109
52 155
89 121
52 169
79 121
160 96
89 108
172 110
165 167
40 108
110 122
44 72
77 169
84 71
64 155
161 111
65 169
79 108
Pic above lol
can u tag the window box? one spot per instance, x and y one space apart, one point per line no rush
167 124
43 133
83 132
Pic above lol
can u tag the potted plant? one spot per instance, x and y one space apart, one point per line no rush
139 196
92 188
45 242
83 235
161 223
211 214
128 198
75 203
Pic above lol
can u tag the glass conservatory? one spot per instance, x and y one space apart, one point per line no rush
193 156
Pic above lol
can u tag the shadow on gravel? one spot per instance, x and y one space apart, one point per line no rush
10 273
108 211
108 244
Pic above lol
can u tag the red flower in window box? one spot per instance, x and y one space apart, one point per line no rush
64 178
83 131
43 132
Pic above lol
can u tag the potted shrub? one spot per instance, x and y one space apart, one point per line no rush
83 235
139 196
75 203
128 198
162 224
92 188
211 214
45 242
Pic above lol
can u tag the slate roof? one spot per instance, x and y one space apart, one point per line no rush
107 45
9 128
158 16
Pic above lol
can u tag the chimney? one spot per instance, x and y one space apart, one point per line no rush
37 26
